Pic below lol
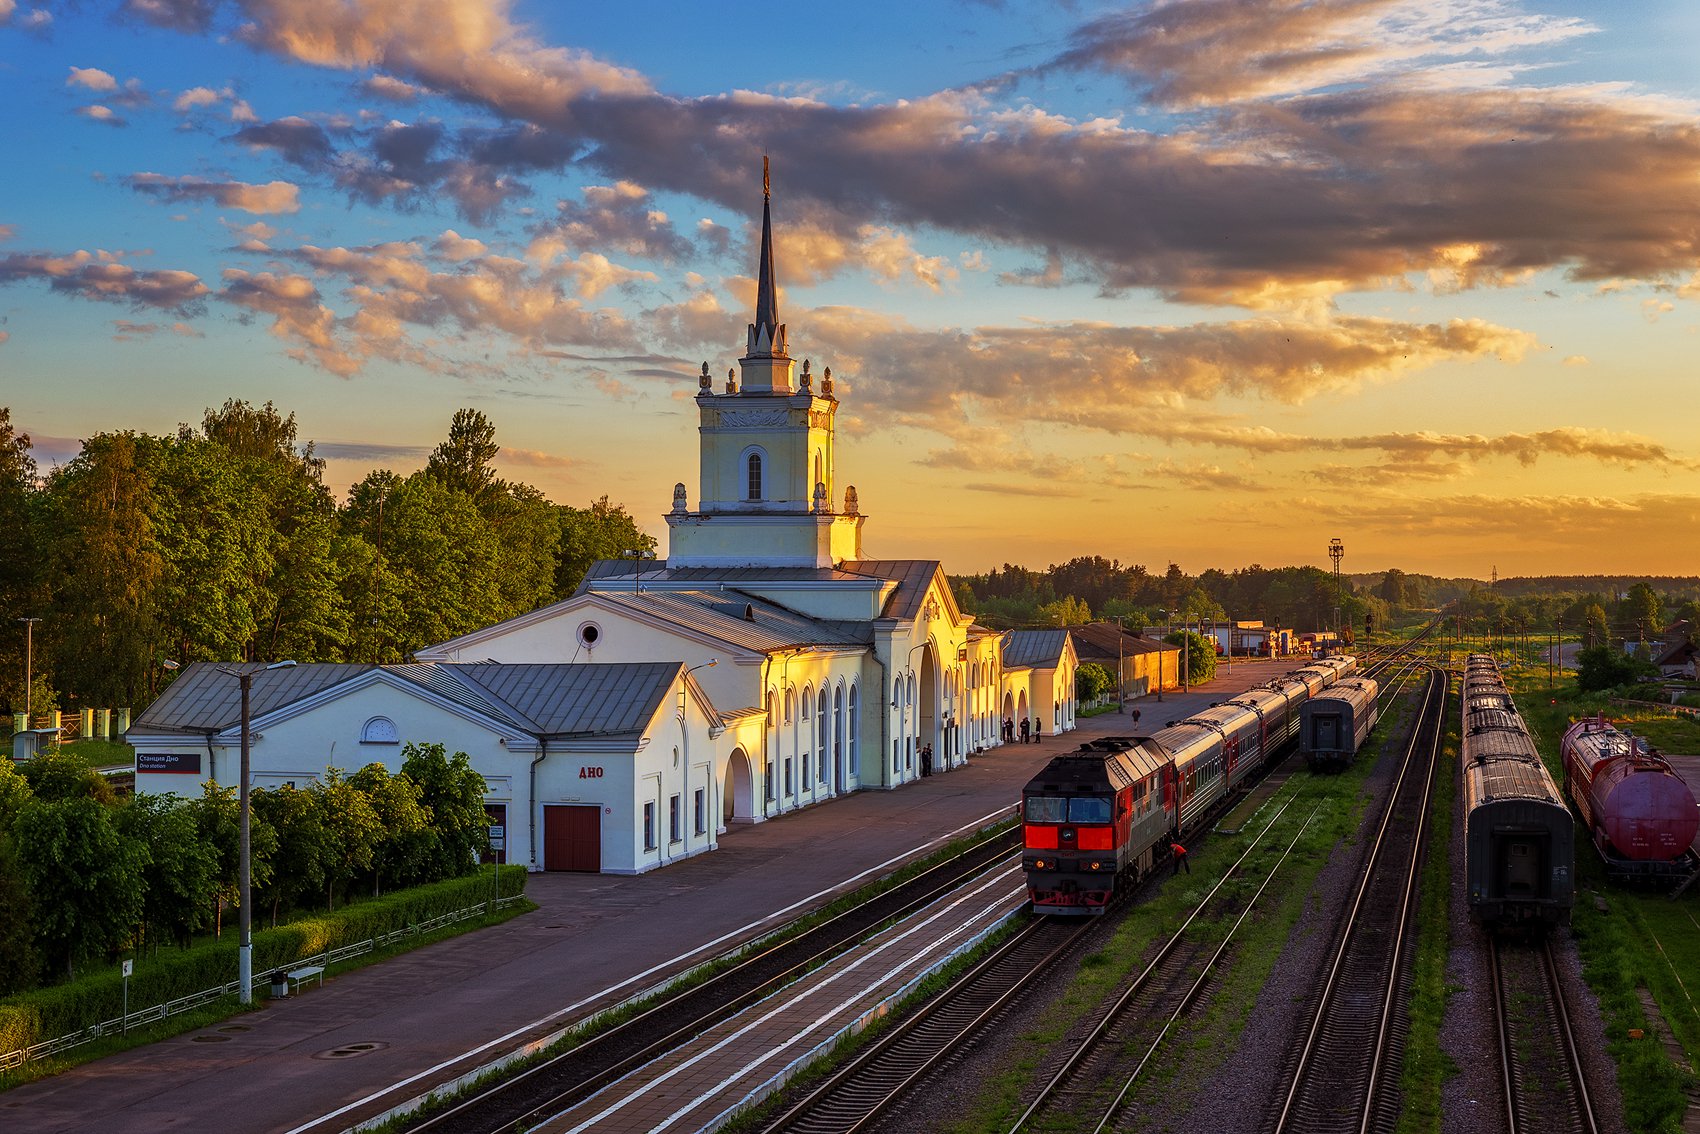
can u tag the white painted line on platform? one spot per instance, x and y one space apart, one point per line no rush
542 1021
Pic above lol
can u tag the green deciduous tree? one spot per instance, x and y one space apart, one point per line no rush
352 828
604 530
454 794
402 819
181 882
302 852
86 878
1092 681
61 773
20 565
1068 611
462 463
1602 667
1198 654
20 964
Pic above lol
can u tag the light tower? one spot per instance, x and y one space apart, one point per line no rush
1336 552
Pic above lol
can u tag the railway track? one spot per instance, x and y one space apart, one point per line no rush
1541 1071
1344 1073
1094 1081
516 1102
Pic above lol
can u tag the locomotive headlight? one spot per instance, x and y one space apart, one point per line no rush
1095 865
1041 864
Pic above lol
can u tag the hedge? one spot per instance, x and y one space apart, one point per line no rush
47 1013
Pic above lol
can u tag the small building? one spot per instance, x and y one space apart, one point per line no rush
1039 668
1147 664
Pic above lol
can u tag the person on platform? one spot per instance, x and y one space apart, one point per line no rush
926 759
1026 727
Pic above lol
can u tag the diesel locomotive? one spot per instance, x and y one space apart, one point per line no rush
1105 812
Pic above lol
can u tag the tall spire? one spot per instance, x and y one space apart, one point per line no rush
766 335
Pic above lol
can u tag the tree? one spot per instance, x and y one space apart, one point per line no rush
1601 667
454 794
105 563
1092 682
462 463
1392 589
19 962
181 885
352 831
1067 611
20 565
604 530
86 880
303 848
217 816
1198 654
61 773
1596 631
14 793
401 819
1641 610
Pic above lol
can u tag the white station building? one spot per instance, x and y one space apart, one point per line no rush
764 666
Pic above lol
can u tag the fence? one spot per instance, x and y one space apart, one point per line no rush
20 1056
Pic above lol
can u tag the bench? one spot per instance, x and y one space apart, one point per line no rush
300 976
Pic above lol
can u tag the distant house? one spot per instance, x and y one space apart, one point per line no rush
1147 664
1675 654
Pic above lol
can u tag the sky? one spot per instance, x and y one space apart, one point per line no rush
1206 281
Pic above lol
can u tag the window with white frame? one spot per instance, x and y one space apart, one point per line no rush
699 808
752 471
852 728
379 730
649 826
675 820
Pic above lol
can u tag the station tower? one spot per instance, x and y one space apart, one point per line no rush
767 496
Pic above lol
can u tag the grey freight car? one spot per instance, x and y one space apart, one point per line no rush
1334 724
1519 852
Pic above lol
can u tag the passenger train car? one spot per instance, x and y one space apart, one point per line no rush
1639 812
1334 724
1108 809
1519 840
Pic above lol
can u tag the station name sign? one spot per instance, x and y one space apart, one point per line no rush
188 763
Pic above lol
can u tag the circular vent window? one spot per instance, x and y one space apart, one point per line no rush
590 634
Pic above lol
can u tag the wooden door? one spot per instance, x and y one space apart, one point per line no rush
572 839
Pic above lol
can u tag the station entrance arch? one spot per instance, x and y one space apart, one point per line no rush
738 792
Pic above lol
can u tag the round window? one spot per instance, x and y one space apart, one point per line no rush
590 634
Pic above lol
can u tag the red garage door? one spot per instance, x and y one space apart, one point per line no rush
572 839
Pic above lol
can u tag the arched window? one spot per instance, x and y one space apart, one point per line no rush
823 727
380 730
752 465
808 701
790 705
852 727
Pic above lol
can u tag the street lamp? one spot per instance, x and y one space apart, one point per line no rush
1170 619
244 855
29 665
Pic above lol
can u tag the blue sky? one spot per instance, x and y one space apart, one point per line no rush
1204 281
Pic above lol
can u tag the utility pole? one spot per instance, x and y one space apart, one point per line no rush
1121 685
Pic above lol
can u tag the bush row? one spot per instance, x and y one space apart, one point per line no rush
47 1013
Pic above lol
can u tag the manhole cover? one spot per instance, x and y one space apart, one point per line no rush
210 1038
350 1050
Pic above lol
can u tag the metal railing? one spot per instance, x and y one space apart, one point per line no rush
119 1024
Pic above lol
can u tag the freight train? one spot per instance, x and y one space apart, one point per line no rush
1519 839
1106 811
1639 812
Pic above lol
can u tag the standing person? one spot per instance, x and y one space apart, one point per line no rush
926 760
1025 726
1038 729
1009 730
1179 853
1136 716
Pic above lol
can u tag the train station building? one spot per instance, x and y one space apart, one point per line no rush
765 665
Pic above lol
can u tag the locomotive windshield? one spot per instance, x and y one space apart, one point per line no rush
1067 809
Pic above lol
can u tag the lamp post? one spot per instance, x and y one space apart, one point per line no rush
29 666
1121 689
1169 619
244 854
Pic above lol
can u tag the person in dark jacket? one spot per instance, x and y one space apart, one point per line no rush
926 760
1026 727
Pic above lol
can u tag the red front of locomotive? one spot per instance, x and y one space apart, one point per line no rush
1075 833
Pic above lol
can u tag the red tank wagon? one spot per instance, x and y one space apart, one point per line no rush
1640 812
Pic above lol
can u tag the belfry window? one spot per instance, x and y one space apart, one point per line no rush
754 467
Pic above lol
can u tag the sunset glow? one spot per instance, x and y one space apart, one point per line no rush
1199 281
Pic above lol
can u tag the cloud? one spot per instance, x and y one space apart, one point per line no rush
93 78
619 217
535 458
104 115
1624 449
100 276
126 331
295 139
297 315
390 87
272 197
1207 53
198 96
371 451
451 245
1565 522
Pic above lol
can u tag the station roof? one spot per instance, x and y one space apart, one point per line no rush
740 619
1042 648
1099 640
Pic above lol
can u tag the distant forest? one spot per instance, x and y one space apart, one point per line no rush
1303 598
223 543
